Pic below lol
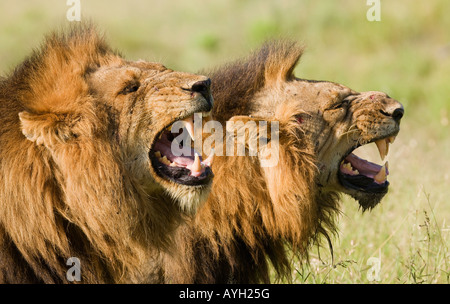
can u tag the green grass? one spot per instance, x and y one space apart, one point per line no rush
407 55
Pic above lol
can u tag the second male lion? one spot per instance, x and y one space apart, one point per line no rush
255 214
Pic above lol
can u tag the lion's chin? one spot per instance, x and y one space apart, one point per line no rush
190 199
367 201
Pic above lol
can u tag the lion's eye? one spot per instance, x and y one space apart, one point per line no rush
130 88
339 105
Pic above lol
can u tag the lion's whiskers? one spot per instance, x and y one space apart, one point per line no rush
353 129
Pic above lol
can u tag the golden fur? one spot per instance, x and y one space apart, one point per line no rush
76 124
256 215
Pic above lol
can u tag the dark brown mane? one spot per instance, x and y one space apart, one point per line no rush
239 81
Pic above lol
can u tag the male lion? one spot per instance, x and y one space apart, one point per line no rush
79 128
255 214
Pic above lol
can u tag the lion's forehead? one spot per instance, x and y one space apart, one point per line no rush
142 64
317 95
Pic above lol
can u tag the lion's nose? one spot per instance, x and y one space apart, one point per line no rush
394 109
389 106
204 88
398 114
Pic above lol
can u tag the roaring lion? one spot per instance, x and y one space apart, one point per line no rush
85 168
255 216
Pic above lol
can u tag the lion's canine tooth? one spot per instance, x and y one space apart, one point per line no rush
158 154
189 125
381 175
196 166
387 146
383 147
210 159
206 114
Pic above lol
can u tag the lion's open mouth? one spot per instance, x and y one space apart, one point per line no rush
187 168
362 175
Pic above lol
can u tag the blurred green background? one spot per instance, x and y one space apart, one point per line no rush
406 54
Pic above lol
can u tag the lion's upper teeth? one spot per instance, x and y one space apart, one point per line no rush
383 146
196 166
189 125
210 159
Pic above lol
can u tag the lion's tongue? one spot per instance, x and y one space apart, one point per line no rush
164 146
193 161
366 168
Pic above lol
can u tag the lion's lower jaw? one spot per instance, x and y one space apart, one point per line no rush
368 201
190 198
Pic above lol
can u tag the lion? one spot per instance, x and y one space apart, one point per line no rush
256 216
79 174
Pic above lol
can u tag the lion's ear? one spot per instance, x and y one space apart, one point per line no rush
282 58
48 129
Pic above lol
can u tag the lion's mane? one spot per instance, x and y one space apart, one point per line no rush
76 200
